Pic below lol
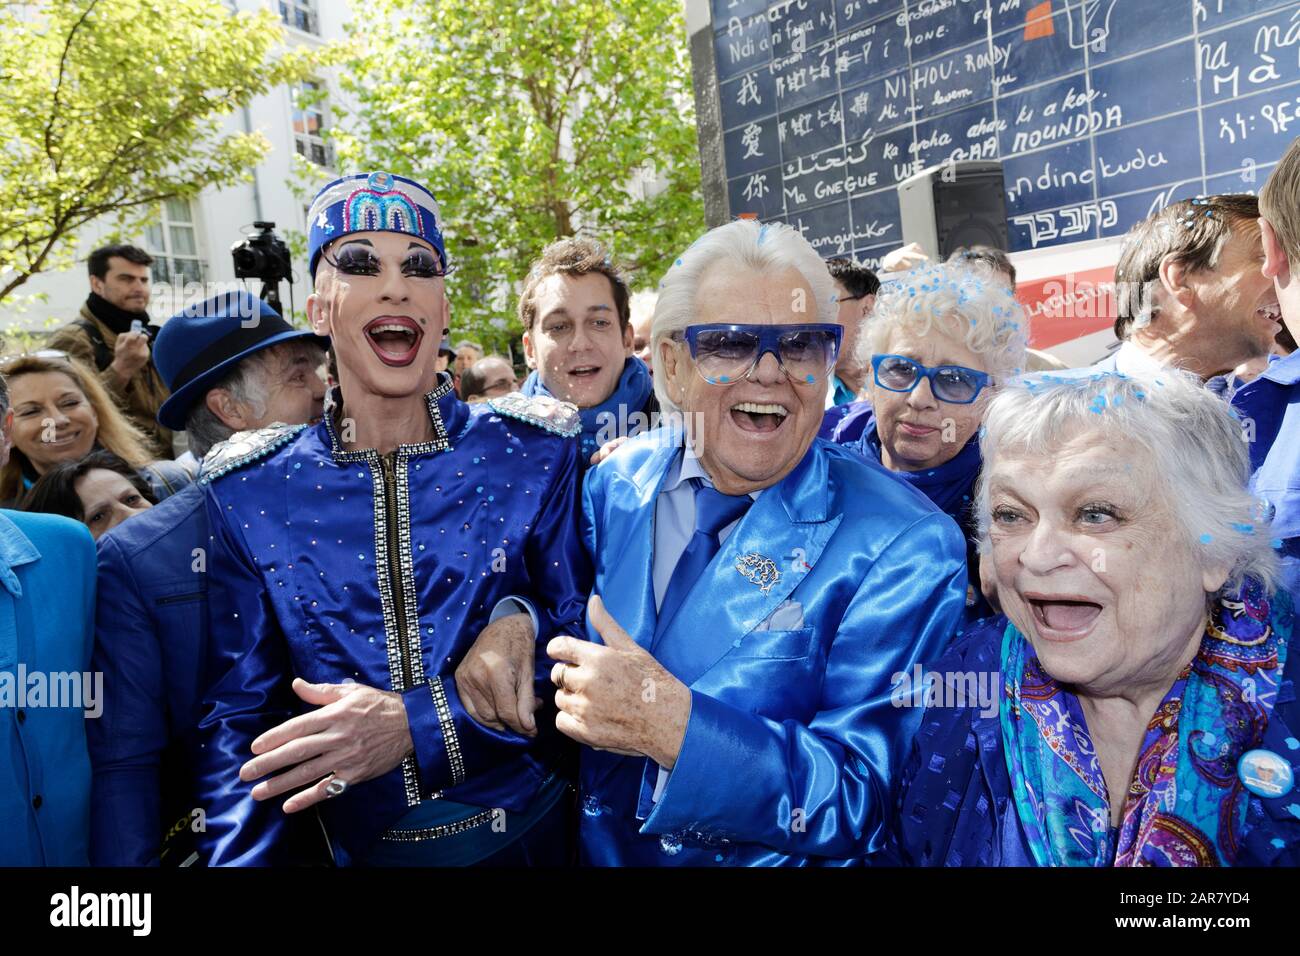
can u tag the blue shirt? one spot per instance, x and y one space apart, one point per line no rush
675 518
47 607
1270 408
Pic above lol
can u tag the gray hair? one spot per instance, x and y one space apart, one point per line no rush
248 383
966 300
1194 440
743 244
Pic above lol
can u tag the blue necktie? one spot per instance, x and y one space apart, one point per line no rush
713 512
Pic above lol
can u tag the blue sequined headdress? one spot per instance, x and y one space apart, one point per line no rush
366 202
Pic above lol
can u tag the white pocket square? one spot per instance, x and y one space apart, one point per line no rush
788 616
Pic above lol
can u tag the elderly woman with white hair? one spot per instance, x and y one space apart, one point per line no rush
1132 707
755 589
939 341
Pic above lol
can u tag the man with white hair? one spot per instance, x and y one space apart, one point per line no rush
756 589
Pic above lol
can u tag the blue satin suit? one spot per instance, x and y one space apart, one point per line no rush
792 743
336 565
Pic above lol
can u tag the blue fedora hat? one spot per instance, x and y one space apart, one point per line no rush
200 344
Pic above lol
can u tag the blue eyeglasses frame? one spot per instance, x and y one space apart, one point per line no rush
769 340
982 379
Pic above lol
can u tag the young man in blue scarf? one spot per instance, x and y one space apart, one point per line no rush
578 342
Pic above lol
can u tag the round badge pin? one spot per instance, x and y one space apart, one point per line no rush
1265 773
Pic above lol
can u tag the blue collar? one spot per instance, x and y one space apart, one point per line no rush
949 486
15 549
1283 371
610 418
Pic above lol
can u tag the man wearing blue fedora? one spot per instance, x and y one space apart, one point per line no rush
231 364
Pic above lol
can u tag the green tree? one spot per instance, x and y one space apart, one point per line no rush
529 120
112 106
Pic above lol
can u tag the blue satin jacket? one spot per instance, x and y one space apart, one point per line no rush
955 805
792 742
336 565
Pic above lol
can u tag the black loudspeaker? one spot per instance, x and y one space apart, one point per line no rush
952 205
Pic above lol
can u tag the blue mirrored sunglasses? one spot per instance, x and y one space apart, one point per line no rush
724 353
955 384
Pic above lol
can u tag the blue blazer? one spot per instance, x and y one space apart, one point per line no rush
47 607
151 631
792 741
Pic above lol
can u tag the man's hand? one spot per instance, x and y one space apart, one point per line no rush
358 733
495 678
617 696
130 354
904 258
607 449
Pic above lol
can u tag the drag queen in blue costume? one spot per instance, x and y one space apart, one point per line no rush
365 555
1136 704
937 344
757 590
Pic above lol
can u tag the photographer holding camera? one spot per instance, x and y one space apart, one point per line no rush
113 335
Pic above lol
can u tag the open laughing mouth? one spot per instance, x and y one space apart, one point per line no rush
1063 618
395 338
758 417
584 373
1272 313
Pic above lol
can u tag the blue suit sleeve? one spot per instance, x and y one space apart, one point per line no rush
559 570
248 692
127 740
823 787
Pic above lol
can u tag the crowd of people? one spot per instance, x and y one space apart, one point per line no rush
802 568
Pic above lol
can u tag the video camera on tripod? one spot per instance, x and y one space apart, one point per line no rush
264 256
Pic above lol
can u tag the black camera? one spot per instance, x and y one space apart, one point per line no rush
264 256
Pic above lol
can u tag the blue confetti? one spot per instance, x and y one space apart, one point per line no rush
1206 538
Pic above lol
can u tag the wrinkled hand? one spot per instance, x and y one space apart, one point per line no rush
607 449
906 257
617 696
130 354
495 678
358 733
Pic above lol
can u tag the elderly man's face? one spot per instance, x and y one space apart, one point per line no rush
1091 566
752 433
295 391
918 431
380 301
576 343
